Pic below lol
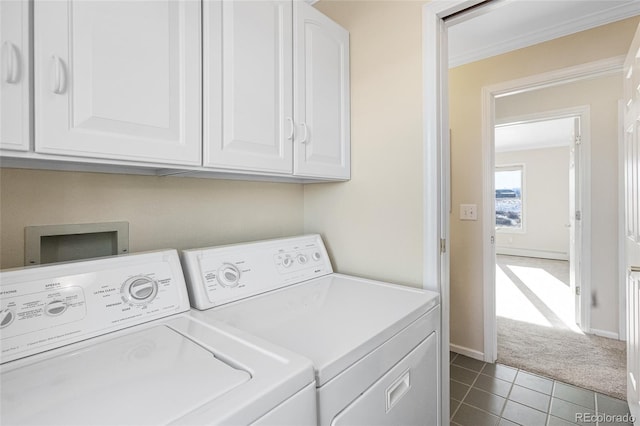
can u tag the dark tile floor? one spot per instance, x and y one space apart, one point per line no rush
485 394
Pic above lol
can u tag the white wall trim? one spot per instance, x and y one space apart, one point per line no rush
489 94
435 154
471 353
524 252
604 333
566 75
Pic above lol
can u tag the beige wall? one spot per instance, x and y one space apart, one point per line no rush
601 95
373 224
466 83
163 212
545 203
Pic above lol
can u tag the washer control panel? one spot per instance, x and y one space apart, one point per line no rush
219 275
45 307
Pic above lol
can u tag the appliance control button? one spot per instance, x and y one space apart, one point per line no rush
142 288
302 259
228 275
287 262
316 255
56 307
139 290
6 317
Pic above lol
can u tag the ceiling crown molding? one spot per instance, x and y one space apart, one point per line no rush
550 32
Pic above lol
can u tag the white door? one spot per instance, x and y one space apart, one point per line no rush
632 222
321 103
14 86
575 218
119 79
248 81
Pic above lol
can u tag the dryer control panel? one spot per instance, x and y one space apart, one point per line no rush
224 274
49 306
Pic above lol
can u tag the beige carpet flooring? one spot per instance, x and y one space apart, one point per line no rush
587 361
555 349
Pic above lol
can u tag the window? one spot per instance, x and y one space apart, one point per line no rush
509 208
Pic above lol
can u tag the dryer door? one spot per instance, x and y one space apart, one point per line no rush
406 395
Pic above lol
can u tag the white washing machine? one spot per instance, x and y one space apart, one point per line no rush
111 341
374 345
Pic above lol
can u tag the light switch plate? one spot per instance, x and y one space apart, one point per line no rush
468 212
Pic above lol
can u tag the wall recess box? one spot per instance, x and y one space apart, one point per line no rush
62 243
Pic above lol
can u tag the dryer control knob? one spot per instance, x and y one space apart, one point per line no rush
139 290
302 259
228 275
55 308
316 255
6 317
287 262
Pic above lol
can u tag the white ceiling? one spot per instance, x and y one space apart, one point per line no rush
534 135
505 25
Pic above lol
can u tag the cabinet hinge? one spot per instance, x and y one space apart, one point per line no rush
443 245
578 140
577 291
578 215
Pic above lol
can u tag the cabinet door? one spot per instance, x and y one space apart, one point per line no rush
14 64
248 85
119 79
321 106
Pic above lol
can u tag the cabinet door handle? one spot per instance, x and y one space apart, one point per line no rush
305 135
58 77
11 63
290 120
634 272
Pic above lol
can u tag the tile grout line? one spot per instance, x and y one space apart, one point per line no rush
553 391
468 390
506 399
465 395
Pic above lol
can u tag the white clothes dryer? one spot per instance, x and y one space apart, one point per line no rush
374 345
110 341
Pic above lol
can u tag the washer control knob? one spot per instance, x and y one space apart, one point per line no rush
302 259
55 308
228 275
139 290
287 262
316 255
6 317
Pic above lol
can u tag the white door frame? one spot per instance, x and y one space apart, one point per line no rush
436 171
584 186
489 94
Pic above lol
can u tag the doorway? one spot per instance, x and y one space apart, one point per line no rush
538 186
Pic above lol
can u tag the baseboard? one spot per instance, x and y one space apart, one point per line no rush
607 334
471 353
542 254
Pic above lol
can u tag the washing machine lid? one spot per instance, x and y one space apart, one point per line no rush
333 320
152 376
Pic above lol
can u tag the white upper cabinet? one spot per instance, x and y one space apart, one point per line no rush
14 71
119 79
248 100
321 73
276 89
